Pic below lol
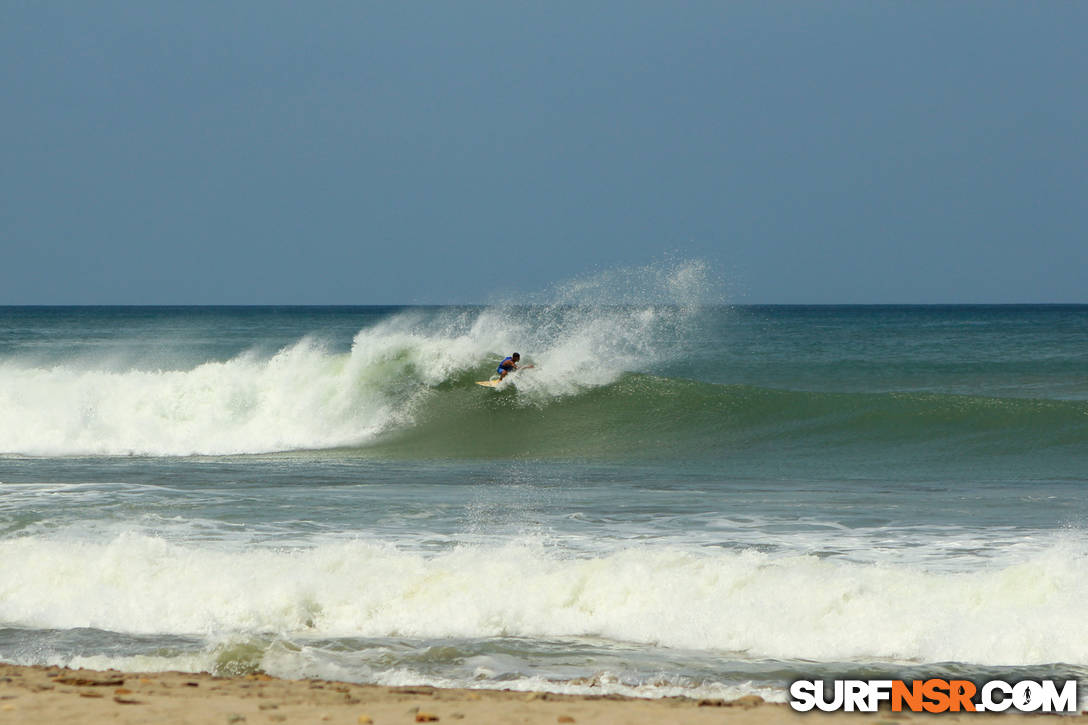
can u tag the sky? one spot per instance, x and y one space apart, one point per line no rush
268 152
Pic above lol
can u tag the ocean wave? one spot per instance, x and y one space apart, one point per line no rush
1027 611
417 398
307 396
643 417
405 388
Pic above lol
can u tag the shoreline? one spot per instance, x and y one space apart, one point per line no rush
41 694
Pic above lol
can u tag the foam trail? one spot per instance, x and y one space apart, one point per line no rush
724 601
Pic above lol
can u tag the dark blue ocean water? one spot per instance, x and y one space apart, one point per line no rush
676 499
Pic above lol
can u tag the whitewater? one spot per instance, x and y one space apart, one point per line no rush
681 497
306 395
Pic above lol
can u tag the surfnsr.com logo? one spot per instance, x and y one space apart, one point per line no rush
934 695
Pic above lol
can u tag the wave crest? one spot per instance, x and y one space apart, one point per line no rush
307 396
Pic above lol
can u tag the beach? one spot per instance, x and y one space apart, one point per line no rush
37 694
61 695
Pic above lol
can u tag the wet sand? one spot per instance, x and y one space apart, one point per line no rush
58 695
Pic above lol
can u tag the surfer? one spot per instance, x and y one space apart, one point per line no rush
508 365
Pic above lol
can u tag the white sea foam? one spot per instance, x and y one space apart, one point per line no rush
303 397
1026 612
307 396
604 683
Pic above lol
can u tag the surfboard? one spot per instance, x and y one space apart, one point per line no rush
496 381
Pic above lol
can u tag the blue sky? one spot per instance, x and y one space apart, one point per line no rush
358 153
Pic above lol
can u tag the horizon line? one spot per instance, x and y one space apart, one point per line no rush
531 304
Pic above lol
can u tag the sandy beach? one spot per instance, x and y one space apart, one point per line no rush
61 695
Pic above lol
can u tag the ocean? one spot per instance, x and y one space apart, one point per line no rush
679 498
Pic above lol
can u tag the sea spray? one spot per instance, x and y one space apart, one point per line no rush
308 395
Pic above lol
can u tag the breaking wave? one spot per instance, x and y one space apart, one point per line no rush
1010 612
